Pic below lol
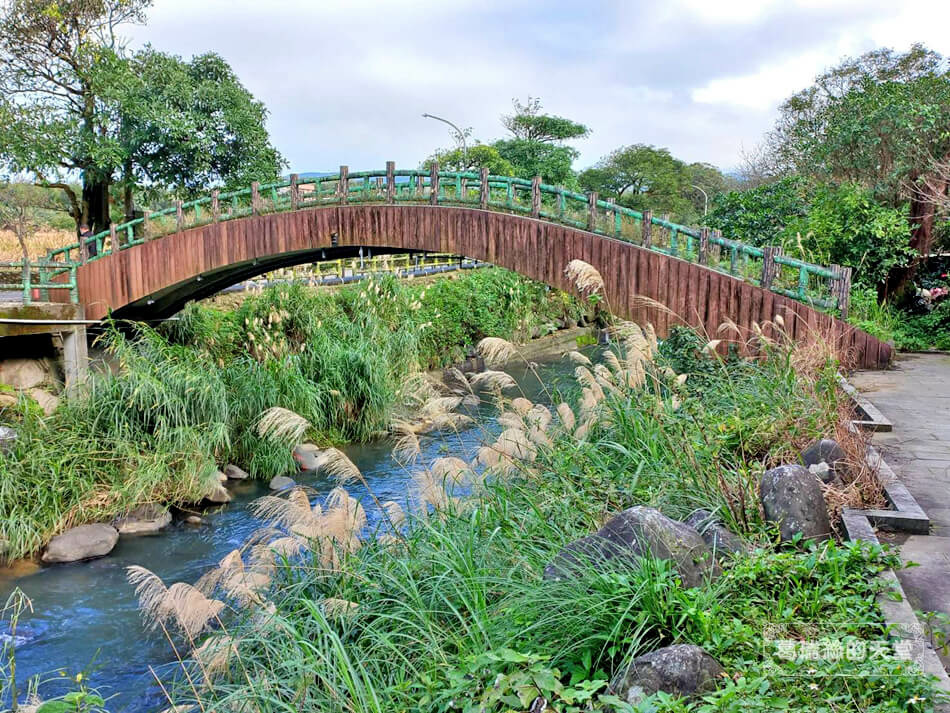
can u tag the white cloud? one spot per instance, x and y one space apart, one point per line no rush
346 81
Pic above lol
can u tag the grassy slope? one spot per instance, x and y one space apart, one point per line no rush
456 616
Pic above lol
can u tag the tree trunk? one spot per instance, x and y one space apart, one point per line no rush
95 203
128 200
922 216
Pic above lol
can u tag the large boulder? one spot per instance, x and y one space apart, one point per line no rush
634 533
218 494
281 482
22 373
235 473
681 670
720 539
307 456
143 520
47 401
80 543
792 497
828 453
7 438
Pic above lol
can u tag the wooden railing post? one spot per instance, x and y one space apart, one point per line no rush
294 192
769 266
717 248
646 228
390 181
592 211
434 183
114 238
703 246
344 184
841 289
255 198
179 217
484 190
215 206
146 228
536 197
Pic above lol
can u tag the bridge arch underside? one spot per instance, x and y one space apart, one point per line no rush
171 299
165 269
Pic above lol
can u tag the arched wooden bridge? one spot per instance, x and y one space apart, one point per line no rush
152 266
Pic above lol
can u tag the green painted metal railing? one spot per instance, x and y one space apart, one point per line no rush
822 287
19 276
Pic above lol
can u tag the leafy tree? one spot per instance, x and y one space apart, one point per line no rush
760 215
826 224
641 177
472 159
711 180
187 125
882 120
846 226
53 121
536 147
72 100
527 123
18 214
535 158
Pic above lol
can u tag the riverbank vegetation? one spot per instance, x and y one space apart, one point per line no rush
186 398
454 610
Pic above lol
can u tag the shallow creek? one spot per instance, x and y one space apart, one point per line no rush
85 615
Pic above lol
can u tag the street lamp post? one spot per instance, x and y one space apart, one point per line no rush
458 132
705 200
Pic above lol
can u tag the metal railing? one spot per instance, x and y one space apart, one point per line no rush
35 279
823 287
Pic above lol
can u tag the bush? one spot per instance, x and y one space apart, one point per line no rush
760 215
846 226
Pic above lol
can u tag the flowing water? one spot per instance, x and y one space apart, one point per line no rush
85 616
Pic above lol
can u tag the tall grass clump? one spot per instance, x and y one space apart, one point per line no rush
189 396
455 614
153 433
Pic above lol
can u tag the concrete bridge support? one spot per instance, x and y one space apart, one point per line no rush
75 359
34 337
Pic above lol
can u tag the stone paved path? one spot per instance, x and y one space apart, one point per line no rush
915 396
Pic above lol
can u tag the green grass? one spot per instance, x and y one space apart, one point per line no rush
188 397
907 331
456 617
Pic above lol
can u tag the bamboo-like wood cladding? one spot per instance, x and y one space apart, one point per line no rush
696 295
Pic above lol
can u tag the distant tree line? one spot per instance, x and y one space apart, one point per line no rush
638 176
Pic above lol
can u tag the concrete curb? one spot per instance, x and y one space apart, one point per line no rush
873 419
906 516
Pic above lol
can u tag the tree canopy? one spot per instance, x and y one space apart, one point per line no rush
536 145
527 123
73 100
881 120
474 158
646 177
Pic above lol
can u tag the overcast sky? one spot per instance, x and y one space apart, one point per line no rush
346 82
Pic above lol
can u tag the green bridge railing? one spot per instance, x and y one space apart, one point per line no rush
36 278
823 287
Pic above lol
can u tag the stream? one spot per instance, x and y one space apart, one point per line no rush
85 615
